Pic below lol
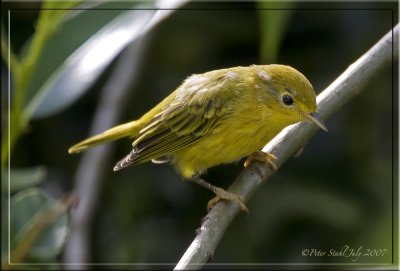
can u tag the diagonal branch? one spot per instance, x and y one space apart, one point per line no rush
286 144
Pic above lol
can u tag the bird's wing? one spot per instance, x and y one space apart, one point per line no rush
191 116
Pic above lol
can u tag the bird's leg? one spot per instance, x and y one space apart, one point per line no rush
262 157
220 193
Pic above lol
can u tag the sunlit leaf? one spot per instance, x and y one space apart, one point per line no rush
80 70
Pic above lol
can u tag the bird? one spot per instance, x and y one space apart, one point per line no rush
215 118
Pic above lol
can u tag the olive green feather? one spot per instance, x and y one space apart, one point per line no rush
120 131
184 121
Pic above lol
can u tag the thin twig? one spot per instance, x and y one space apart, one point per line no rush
7 54
286 144
23 70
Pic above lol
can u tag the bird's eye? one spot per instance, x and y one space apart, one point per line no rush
287 99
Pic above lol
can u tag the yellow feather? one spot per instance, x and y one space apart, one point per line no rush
216 117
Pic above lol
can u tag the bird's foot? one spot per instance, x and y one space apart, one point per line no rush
225 195
262 157
220 193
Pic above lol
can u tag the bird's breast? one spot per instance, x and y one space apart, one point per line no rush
233 139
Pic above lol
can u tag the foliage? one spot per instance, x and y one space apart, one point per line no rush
274 18
335 193
31 233
44 82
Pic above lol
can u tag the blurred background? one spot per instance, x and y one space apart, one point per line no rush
339 191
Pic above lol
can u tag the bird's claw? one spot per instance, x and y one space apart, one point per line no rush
262 157
222 194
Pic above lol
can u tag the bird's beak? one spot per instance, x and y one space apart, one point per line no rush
316 119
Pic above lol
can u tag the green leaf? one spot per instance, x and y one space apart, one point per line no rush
28 210
79 71
274 17
22 178
59 5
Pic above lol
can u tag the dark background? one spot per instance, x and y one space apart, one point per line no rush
338 192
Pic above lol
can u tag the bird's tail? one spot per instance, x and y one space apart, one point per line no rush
129 129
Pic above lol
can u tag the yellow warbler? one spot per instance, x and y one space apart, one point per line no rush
215 118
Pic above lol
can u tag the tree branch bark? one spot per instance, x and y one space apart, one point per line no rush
349 84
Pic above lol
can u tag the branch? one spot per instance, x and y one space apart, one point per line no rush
349 84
